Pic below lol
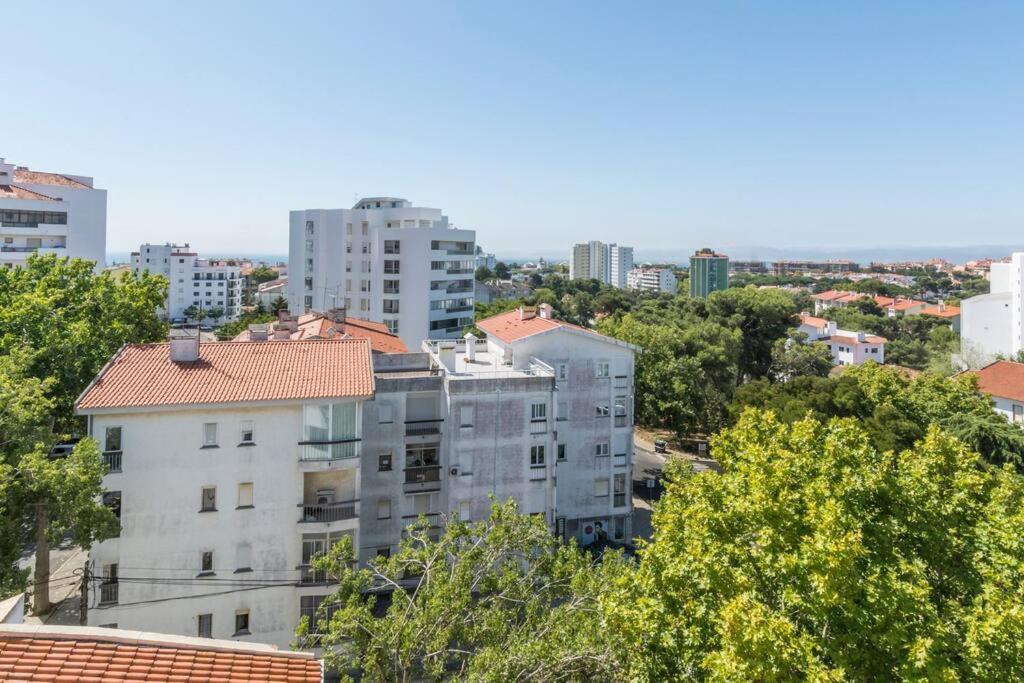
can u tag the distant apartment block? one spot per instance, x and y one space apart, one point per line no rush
387 261
653 280
205 284
50 213
485 260
230 460
607 263
803 267
709 272
992 324
847 348
753 267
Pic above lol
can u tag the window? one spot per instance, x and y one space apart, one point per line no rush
602 410
209 434
245 495
391 306
619 488
561 452
243 558
391 267
112 439
242 622
384 462
1018 414
563 411
392 326
366 226
348 228
620 411
385 413
536 456
392 247
205 625
383 553
206 562
309 227
246 432
602 369
563 372
464 510
384 508
619 532
466 416
421 456
391 286
209 500
539 411
600 488
601 449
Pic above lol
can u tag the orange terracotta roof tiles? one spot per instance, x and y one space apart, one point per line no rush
15 192
24 175
946 312
1003 378
318 326
232 372
68 653
868 339
511 327
815 322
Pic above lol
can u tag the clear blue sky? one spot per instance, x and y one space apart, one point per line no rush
657 125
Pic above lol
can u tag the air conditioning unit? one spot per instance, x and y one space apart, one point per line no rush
325 496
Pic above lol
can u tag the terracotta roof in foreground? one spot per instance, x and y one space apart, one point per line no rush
69 653
1003 378
318 326
142 375
512 326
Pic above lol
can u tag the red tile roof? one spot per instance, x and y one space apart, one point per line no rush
24 175
511 326
69 654
1003 378
232 372
947 312
837 295
318 326
868 339
812 321
898 304
15 192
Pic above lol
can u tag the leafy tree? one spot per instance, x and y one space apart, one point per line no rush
262 273
192 312
910 354
495 600
70 321
815 555
536 280
793 356
215 313
229 331
501 271
762 316
483 274
278 304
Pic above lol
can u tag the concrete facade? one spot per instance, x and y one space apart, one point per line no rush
192 281
607 263
992 325
653 280
387 261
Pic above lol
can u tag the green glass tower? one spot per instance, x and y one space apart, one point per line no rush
709 272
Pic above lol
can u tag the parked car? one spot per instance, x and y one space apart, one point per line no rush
660 446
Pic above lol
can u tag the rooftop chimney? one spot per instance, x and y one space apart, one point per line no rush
284 317
185 345
259 332
336 315
527 312
446 354
861 336
942 306
832 327
282 332
545 311
470 347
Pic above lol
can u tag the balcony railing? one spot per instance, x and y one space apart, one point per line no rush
310 577
112 459
340 449
328 512
459 271
108 593
421 475
423 427
538 426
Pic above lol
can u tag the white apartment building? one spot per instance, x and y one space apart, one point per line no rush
653 280
992 325
239 468
387 261
848 348
50 213
484 259
608 263
206 284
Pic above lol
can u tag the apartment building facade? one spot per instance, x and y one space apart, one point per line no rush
387 261
992 325
709 272
50 213
846 347
607 263
205 284
653 280
233 472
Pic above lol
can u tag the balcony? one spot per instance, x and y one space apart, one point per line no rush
459 271
112 459
108 592
427 427
328 512
338 449
312 577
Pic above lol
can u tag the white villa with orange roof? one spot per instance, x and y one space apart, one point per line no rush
232 463
848 348
50 213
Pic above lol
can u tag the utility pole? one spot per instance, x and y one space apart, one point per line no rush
83 604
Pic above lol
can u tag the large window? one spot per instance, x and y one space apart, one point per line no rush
330 431
536 456
392 247
19 218
619 490
391 306
391 267
421 456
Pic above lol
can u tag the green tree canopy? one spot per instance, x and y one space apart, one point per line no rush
497 600
815 555
262 273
